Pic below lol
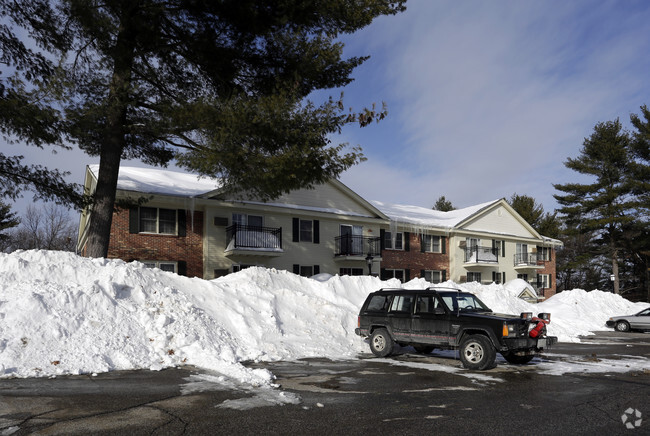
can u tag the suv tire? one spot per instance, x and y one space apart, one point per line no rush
477 352
381 344
622 326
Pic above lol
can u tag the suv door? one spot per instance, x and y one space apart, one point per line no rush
399 316
431 321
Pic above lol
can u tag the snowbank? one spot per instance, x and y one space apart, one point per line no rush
65 314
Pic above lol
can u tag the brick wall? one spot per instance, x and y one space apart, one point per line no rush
550 268
414 260
189 249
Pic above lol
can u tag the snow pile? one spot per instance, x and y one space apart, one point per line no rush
64 314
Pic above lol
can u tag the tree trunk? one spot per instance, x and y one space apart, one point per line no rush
615 272
112 146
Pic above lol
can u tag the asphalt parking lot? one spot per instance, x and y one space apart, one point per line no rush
584 388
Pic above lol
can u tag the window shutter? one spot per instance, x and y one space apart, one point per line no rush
316 269
443 244
407 242
503 248
134 220
182 267
382 273
422 273
382 236
444 275
550 278
422 244
494 276
316 232
296 269
182 222
407 275
504 277
296 230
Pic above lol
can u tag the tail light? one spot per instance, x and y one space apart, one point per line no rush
358 321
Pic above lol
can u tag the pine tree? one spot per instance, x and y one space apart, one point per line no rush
28 116
219 86
8 220
544 223
605 205
443 205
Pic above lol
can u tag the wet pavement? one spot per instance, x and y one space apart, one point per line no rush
409 393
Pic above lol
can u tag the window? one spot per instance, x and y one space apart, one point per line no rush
473 243
521 256
351 271
393 274
237 268
427 304
474 277
156 220
544 281
544 254
402 303
379 303
523 276
394 241
247 220
434 276
306 270
162 265
431 243
306 230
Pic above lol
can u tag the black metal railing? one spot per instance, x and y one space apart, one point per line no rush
478 254
253 237
353 245
525 259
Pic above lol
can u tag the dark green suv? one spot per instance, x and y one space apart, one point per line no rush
449 318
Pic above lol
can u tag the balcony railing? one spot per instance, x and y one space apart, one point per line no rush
477 254
525 259
353 245
253 238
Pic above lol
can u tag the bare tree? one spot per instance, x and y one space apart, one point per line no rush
49 228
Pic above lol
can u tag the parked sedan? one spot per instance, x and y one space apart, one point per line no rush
640 321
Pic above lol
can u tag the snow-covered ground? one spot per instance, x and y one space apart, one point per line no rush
65 314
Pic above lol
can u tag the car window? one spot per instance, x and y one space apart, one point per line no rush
379 303
402 303
645 312
427 304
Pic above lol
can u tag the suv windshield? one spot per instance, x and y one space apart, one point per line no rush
463 302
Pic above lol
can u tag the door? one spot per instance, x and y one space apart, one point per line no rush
351 240
642 320
522 254
430 323
399 317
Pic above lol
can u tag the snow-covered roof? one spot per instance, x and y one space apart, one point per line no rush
161 181
423 217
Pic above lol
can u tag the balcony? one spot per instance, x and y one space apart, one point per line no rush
481 255
253 241
527 261
353 246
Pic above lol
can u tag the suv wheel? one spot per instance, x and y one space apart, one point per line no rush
622 326
477 352
381 344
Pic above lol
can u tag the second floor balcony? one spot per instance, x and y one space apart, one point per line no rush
241 239
527 260
357 246
477 255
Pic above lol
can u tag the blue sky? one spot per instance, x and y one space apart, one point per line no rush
485 98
